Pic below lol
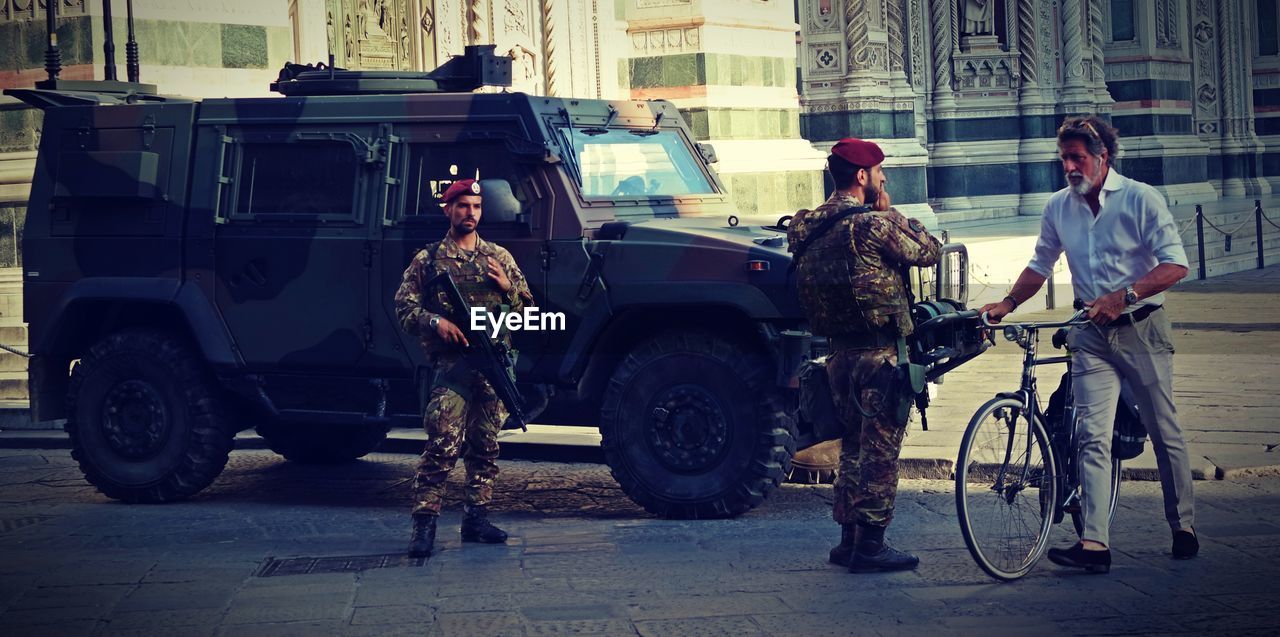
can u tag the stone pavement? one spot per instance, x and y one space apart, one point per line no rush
1227 334
582 560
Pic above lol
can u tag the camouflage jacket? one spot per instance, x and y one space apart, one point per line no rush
850 279
414 308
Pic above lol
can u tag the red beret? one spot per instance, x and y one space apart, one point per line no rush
461 187
858 152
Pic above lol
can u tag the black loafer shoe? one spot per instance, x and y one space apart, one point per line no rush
1185 545
1078 557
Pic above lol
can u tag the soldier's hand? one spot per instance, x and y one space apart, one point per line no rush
883 202
498 275
449 333
997 311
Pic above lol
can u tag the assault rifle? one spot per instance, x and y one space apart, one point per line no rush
491 359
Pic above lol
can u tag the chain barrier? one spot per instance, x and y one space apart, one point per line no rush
14 350
1200 220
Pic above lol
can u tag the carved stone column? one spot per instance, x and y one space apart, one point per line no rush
1241 151
864 72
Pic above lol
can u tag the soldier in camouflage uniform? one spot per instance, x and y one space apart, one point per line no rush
462 415
850 256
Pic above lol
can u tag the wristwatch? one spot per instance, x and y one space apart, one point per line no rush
1130 296
435 320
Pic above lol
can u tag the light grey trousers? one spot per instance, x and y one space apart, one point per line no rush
1142 354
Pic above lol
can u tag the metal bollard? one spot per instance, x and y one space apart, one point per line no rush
1200 238
1257 224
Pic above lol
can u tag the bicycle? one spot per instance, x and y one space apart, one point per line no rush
1015 474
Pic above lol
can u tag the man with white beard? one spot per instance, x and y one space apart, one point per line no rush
1124 251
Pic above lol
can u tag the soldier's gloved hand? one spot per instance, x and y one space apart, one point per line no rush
449 333
498 275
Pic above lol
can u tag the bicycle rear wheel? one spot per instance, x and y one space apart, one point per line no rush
1077 516
1006 486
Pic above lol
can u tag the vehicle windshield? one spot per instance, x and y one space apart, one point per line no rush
623 163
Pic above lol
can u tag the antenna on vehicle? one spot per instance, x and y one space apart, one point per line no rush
131 47
108 43
52 57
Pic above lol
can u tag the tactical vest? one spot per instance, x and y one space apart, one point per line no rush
473 282
844 292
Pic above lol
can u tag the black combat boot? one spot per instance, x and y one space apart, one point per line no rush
873 554
841 553
476 526
424 535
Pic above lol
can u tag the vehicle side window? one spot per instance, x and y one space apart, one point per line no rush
432 168
300 178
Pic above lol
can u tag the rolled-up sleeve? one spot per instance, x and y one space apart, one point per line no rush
1161 233
1048 246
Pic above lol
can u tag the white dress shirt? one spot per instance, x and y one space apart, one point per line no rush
1132 233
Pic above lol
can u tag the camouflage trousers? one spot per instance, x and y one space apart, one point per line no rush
868 480
462 417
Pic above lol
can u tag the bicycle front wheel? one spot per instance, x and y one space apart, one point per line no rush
1006 486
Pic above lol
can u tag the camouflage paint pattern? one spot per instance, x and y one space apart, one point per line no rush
850 278
868 480
462 418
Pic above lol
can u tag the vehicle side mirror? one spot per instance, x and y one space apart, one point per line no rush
708 153
500 204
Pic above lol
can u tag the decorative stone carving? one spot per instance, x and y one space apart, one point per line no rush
1148 69
855 34
822 16
517 16
1205 65
917 66
477 25
1095 54
666 41
824 59
1073 48
985 73
549 36
1050 52
1167 24
979 17
1027 41
428 21
943 20
894 25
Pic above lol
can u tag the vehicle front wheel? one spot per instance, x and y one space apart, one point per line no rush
145 419
692 427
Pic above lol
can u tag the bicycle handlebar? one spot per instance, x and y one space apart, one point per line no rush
1076 319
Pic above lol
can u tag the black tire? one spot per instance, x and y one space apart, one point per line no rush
1077 517
145 418
692 426
321 443
1006 488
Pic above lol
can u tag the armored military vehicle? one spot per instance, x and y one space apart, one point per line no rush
198 267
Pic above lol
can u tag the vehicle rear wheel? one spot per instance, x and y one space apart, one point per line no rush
692 426
145 419
321 443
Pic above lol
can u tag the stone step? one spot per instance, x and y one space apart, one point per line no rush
13 386
14 335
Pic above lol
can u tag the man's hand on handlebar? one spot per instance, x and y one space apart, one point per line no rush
996 311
